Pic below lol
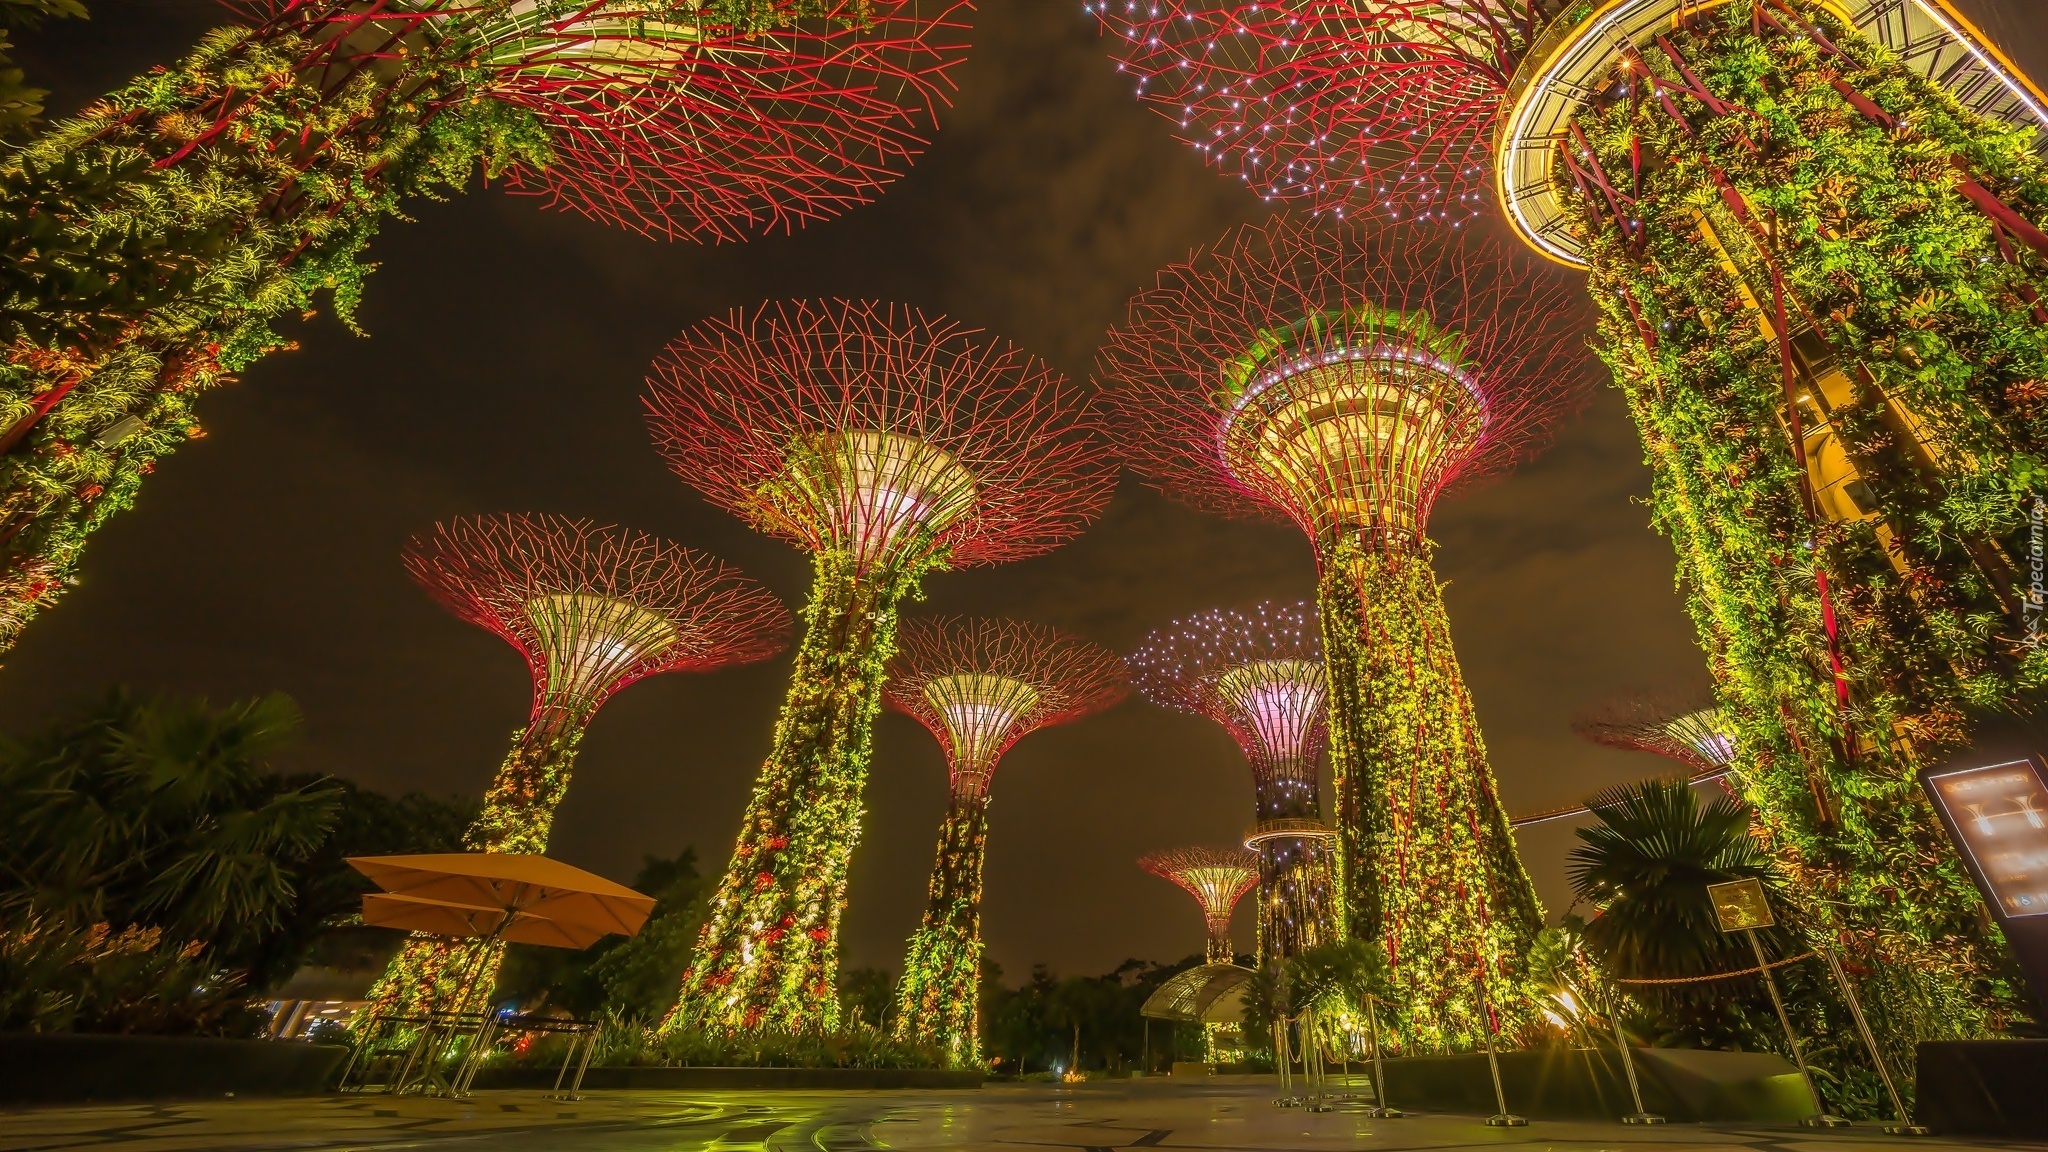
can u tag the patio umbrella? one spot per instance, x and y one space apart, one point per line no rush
442 918
522 899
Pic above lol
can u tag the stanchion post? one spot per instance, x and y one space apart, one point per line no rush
1821 1117
1283 1062
1628 1065
1314 1087
1502 1118
1381 1110
1905 1126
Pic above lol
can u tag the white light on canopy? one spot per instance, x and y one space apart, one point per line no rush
873 492
588 641
1706 732
1355 438
1278 702
981 711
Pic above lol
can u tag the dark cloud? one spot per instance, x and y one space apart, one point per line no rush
503 372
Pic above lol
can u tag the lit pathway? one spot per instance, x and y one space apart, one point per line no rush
1105 1116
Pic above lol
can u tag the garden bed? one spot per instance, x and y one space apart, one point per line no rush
1680 1084
55 1067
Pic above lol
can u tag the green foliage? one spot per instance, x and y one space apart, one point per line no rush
769 957
21 105
938 1001
148 246
1031 1028
149 857
851 1046
1938 410
1416 800
329 897
59 978
865 996
1337 976
1646 865
753 17
160 813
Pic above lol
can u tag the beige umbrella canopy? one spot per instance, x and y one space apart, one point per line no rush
515 898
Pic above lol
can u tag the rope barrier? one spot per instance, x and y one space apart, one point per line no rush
1722 975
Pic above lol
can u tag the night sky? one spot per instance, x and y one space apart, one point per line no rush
503 372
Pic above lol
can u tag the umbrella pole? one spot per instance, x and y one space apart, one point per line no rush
474 1057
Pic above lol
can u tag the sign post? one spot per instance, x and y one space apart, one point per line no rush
1740 906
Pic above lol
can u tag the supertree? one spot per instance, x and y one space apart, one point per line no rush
888 444
1815 233
979 686
1684 727
1217 878
149 243
1691 730
591 609
1259 673
1344 379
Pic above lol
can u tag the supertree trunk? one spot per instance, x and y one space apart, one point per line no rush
431 973
938 1002
768 957
1428 865
151 242
1218 948
1297 906
1830 333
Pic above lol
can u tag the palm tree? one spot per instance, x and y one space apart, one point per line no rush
160 813
1646 866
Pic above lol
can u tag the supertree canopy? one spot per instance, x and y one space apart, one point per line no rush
1694 732
887 443
151 241
1259 673
1344 380
591 609
1685 727
1817 234
1216 878
979 686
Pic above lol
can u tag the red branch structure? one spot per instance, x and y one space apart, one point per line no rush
1217 878
1366 107
592 609
1690 729
667 124
871 428
1224 333
979 686
1258 672
887 443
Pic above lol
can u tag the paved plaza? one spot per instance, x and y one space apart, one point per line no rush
1084 1118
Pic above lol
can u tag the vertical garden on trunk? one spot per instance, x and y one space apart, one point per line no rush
888 444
